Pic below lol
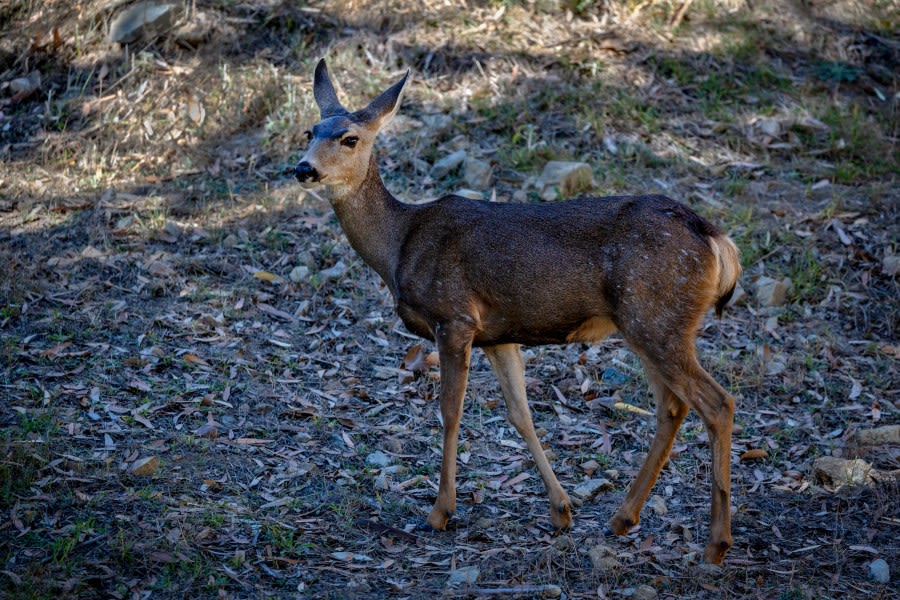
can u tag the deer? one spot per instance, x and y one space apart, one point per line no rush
470 274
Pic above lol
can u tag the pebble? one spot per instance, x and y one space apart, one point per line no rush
880 571
463 575
379 459
591 488
443 167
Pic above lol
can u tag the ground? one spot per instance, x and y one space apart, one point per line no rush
206 393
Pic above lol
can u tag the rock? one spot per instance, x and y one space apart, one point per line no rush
142 20
772 292
172 230
463 575
889 434
26 85
550 590
658 504
477 173
144 467
890 265
564 178
564 543
195 31
614 377
335 271
590 466
603 558
838 472
379 459
880 571
443 167
299 273
769 127
591 488
644 592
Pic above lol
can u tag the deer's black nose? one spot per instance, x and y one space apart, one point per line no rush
305 172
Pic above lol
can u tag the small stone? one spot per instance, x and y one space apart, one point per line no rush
890 265
590 466
614 377
591 488
644 592
25 85
838 472
379 459
477 173
564 543
382 482
550 590
160 269
603 558
880 571
299 273
564 178
143 19
171 228
144 467
772 292
195 31
443 167
658 504
769 127
335 271
463 575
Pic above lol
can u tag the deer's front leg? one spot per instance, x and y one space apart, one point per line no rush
455 349
506 360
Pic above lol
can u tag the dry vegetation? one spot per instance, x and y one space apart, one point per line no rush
170 298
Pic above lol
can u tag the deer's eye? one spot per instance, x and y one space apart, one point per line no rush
349 141
308 134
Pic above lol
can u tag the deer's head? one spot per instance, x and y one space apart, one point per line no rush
340 144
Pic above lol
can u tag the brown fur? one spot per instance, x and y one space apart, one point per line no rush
466 273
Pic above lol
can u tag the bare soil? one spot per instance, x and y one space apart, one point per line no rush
170 298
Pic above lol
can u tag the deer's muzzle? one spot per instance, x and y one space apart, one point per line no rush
305 172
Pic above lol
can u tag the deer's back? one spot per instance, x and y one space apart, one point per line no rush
553 268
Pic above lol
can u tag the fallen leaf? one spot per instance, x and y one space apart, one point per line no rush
145 467
754 454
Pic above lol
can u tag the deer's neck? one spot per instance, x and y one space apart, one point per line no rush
375 223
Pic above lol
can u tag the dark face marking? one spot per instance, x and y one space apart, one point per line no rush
332 128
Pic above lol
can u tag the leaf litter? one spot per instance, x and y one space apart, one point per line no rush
210 395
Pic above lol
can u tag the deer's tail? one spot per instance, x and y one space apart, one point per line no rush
728 259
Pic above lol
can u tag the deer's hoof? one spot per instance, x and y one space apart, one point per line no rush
561 514
714 553
438 519
620 525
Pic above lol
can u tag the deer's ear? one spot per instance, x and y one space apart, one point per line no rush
323 92
382 109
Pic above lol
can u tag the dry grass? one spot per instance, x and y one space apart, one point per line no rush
143 205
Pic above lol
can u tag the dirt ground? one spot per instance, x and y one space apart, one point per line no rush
205 393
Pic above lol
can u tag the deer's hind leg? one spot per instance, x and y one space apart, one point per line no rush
682 383
670 413
506 361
